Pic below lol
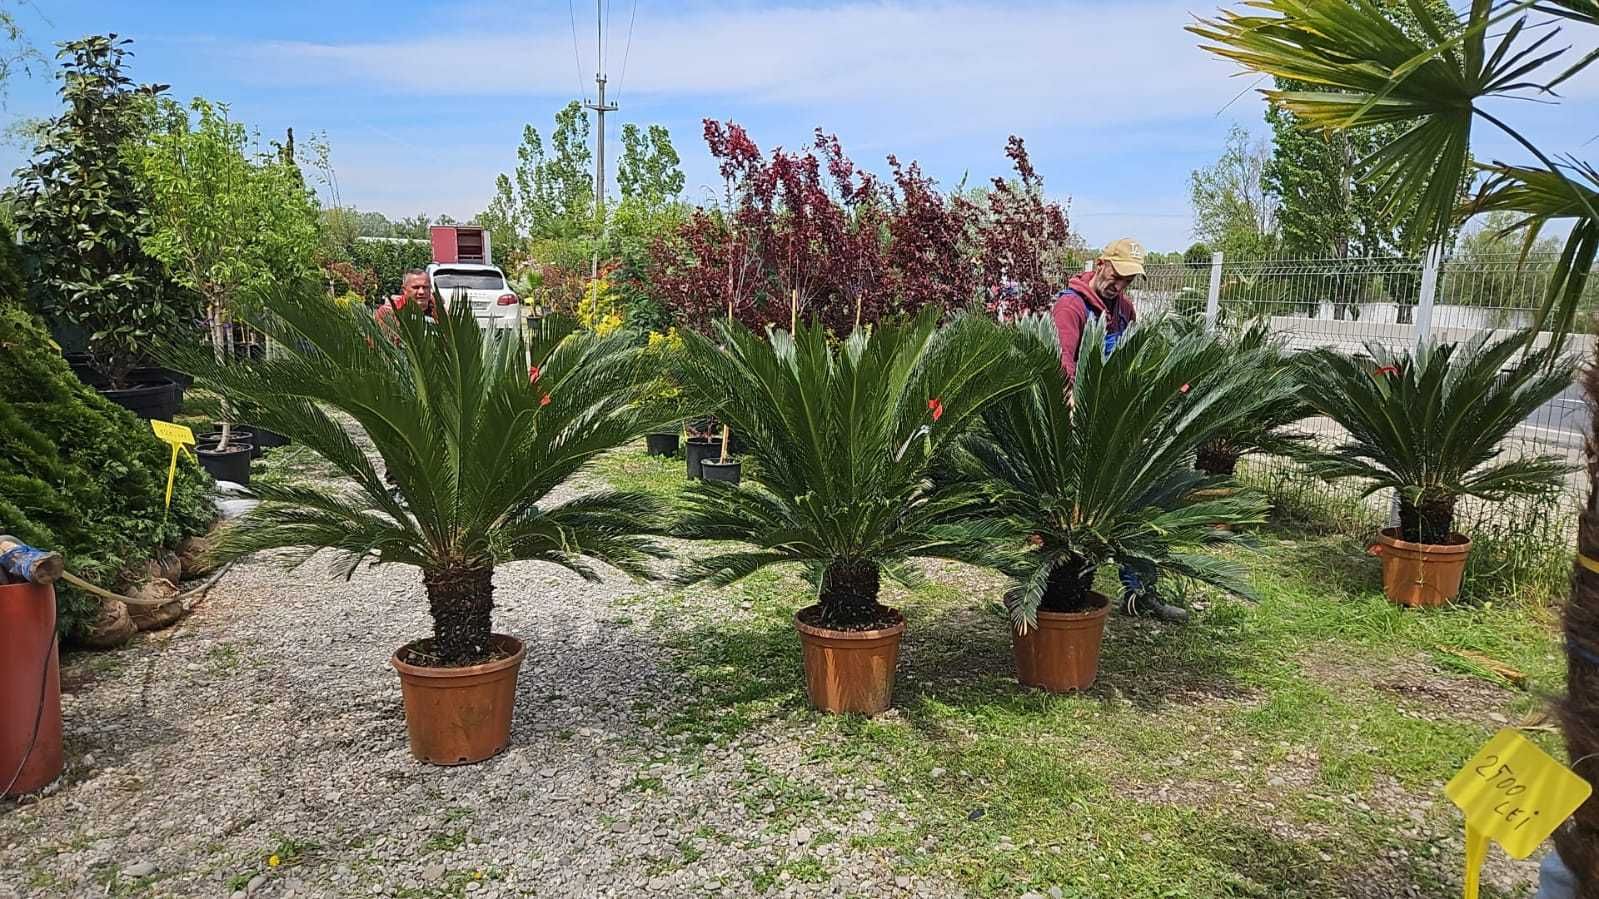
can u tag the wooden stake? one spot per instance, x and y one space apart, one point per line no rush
793 311
727 435
858 311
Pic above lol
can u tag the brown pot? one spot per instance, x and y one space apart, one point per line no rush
849 671
1420 574
457 716
29 662
1062 653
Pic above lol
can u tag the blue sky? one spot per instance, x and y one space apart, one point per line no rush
424 102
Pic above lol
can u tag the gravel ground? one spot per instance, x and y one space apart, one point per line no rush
258 749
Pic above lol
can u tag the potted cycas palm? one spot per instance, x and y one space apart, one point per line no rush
1105 478
1431 425
473 441
1260 354
841 439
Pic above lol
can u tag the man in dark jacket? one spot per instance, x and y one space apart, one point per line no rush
1101 293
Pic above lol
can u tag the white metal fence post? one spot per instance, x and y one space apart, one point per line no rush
1429 289
1213 297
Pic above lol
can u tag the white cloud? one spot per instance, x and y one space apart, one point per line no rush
969 64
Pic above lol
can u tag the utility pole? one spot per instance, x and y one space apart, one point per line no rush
600 109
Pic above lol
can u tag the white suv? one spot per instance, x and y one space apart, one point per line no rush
494 304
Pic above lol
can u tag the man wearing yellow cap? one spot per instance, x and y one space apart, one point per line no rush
1101 293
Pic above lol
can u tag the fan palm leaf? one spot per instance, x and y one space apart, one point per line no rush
473 439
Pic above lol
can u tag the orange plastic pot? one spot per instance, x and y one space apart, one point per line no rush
1061 654
30 688
457 716
1420 574
850 671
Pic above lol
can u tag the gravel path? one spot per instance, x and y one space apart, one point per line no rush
259 749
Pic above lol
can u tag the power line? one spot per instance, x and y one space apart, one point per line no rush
626 51
572 17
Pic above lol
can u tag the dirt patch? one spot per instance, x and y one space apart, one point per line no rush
1420 689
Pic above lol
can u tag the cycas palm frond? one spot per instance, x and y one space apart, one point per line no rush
842 441
1263 354
1108 477
1432 424
473 440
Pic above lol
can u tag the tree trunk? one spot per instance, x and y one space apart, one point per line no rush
1217 457
1578 841
1431 520
849 595
462 600
1070 589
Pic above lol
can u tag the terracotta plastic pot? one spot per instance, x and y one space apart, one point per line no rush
727 472
29 661
850 671
697 450
1214 493
457 716
662 444
1062 653
1420 574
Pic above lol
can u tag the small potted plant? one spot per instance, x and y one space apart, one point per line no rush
704 442
725 468
665 398
1431 425
843 436
1104 478
475 442
1263 355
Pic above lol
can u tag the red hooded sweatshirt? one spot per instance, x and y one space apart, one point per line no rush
1071 311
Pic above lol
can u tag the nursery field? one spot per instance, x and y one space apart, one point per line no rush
663 745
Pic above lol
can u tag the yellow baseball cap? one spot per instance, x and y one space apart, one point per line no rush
1126 256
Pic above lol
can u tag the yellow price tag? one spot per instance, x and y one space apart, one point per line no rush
1513 793
178 436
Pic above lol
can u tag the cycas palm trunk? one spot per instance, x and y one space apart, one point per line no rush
1578 842
461 600
849 592
1431 520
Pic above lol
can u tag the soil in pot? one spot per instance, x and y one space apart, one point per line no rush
717 470
1421 574
457 716
661 444
850 670
232 464
157 400
698 449
30 688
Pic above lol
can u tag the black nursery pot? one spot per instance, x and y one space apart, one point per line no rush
661 444
697 450
238 437
157 399
717 470
230 465
266 438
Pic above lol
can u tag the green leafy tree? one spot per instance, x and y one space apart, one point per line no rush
649 168
842 437
551 192
228 220
1233 210
83 216
474 446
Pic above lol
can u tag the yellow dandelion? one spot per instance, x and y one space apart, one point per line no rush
273 860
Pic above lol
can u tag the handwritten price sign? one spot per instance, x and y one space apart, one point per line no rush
1513 793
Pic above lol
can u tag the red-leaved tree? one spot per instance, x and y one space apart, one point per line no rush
1022 240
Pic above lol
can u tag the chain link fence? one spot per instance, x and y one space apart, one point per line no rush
1345 303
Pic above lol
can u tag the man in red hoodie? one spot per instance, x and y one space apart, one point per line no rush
1101 293
415 287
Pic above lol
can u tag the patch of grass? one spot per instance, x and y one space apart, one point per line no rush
224 658
632 469
806 869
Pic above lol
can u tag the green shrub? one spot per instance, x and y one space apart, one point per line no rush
79 474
